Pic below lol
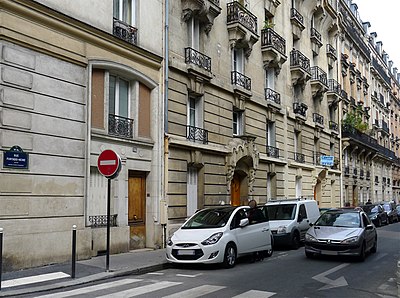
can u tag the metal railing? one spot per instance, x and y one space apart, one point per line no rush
98 221
298 59
380 70
334 86
300 108
120 126
334 126
346 170
319 75
272 151
296 15
196 134
330 50
240 80
344 94
355 172
124 31
299 157
195 57
361 174
271 95
237 13
216 2
317 118
270 38
315 34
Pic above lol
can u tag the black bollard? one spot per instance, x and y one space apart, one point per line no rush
73 251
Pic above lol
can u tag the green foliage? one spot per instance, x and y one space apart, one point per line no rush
268 24
354 120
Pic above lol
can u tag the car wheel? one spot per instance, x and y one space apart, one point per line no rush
230 256
309 255
375 247
361 256
295 240
268 253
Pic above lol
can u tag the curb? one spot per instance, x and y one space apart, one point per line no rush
85 280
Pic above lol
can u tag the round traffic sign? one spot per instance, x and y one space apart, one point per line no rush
109 164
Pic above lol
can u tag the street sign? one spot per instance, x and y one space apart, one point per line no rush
327 160
15 158
109 164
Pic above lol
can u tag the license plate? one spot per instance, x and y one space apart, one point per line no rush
330 252
186 252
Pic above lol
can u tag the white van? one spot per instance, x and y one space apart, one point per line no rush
289 219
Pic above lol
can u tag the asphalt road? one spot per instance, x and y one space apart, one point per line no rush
288 273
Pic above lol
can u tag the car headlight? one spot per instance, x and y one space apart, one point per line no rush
169 242
374 217
214 238
310 238
281 230
350 240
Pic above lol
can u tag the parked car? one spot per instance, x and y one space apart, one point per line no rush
398 212
376 214
290 219
344 232
220 235
323 210
390 211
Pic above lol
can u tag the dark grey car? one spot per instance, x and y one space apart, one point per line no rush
345 232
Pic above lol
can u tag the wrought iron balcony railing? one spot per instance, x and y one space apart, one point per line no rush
296 15
352 100
333 126
376 179
237 13
316 35
196 134
298 59
272 151
380 70
319 119
125 31
361 174
120 126
299 157
241 80
97 221
270 38
271 95
300 108
355 172
344 94
334 86
216 2
331 51
346 170
319 75
368 175
197 58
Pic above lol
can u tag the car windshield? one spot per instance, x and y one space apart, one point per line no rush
339 219
369 209
281 212
209 218
387 207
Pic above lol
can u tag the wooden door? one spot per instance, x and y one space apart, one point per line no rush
137 209
235 190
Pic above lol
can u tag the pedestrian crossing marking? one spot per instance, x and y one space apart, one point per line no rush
142 290
155 273
33 279
196 292
255 294
189 275
90 289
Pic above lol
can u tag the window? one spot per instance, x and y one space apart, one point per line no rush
118 96
238 60
194 33
270 78
302 211
125 10
194 112
297 141
271 134
192 178
237 121
298 187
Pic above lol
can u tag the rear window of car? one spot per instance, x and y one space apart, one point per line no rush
209 218
339 219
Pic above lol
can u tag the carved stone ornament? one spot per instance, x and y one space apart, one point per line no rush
206 11
242 147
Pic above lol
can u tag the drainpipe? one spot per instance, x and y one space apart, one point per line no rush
340 110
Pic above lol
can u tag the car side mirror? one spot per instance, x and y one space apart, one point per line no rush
369 227
244 222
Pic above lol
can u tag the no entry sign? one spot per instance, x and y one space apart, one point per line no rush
109 164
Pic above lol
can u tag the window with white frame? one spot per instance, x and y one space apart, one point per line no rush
270 78
118 96
271 133
125 10
237 122
194 112
192 197
238 60
194 33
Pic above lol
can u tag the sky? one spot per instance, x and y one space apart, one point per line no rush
383 16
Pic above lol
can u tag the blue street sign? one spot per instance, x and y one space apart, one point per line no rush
327 160
15 158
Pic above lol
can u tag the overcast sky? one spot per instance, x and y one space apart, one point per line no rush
384 16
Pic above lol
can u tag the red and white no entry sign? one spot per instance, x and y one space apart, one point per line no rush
109 164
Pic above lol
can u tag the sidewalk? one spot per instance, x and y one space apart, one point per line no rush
134 262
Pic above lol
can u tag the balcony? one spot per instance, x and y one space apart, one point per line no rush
206 10
272 152
299 157
376 180
318 119
344 95
347 171
300 109
334 127
202 61
352 101
345 64
331 54
273 48
317 158
242 26
316 41
120 126
361 174
355 173
333 93
124 31
240 80
196 134
297 21
299 68
376 68
272 96
368 175
319 82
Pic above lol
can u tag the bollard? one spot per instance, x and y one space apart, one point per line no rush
1 254
73 251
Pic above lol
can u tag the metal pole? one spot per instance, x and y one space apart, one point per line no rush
1 254
108 225
73 251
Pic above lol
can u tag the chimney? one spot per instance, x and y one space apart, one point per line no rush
354 8
390 65
374 36
385 57
366 26
395 72
379 47
398 77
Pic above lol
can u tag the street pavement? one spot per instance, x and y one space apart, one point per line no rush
58 276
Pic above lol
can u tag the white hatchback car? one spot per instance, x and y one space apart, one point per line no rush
220 235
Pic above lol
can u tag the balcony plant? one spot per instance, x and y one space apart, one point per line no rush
268 24
354 120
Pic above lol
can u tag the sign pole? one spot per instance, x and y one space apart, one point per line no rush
108 224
